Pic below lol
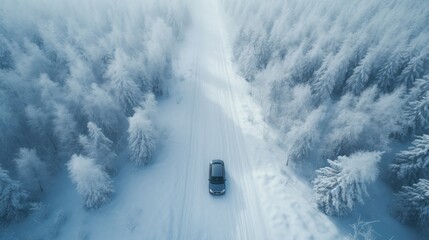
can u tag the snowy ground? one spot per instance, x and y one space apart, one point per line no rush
209 114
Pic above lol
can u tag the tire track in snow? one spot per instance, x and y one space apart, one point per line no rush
237 153
256 217
188 190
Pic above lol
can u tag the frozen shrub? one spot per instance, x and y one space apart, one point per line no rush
362 231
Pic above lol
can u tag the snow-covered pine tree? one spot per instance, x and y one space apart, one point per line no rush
302 137
356 83
92 182
100 107
412 164
39 122
412 71
36 118
412 204
324 80
65 129
417 105
31 169
14 201
97 146
125 89
417 114
6 60
8 125
141 135
247 60
343 184
331 73
386 75
420 88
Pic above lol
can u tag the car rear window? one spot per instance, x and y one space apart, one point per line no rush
217 170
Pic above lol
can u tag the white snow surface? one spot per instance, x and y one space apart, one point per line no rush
209 114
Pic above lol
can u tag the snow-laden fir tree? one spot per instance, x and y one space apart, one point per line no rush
39 123
417 106
31 169
302 137
6 59
65 129
331 73
412 164
92 182
343 184
37 119
357 82
100 107
14 201
125 89
141 133
413 70
412 204
388 72
419 90
97 146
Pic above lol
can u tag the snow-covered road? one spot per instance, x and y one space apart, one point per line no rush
214 131
205 125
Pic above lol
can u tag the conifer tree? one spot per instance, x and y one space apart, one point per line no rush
412 204
412 164
343 184
141 135
92 182
97 146
31 169
14 201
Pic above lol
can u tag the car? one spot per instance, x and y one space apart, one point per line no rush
217 177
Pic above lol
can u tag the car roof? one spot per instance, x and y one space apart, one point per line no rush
217 170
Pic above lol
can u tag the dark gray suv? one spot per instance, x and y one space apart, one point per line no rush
217 177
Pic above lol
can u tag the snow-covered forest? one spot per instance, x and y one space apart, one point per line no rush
346 83
77 86
110 112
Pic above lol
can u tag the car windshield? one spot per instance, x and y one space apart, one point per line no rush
216 180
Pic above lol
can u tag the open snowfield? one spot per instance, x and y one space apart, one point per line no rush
209 114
